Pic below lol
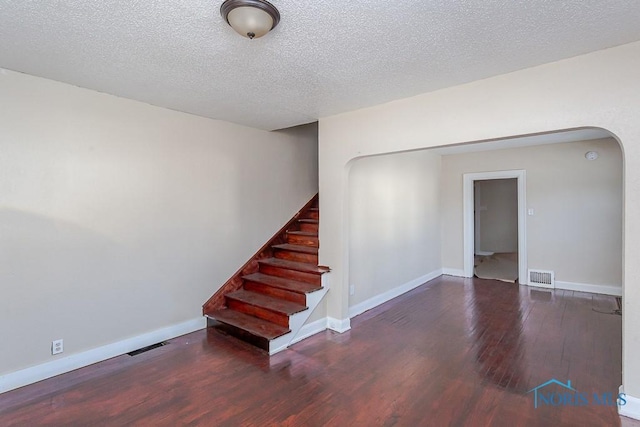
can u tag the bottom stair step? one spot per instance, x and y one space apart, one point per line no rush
254 326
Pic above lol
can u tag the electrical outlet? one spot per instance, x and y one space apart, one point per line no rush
352 289
57 347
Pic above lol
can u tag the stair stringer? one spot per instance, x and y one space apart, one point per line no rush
297 320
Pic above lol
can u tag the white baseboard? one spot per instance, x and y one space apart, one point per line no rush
338 325
630 409
391 294
311 329
594 289
46 370
318 326
453 272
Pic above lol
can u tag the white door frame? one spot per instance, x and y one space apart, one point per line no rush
468 209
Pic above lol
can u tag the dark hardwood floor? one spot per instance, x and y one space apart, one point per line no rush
457 352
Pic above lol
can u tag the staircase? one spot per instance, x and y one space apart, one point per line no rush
269 299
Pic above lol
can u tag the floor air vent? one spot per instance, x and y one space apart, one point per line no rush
542 278
147 348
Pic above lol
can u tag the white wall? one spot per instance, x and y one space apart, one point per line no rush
496 215
118 218
577 227
394 223
599 89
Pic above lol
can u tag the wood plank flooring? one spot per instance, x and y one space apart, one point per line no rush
458 352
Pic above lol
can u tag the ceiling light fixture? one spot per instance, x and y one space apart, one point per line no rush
250 18
591 155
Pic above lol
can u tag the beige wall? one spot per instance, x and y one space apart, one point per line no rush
118 218
496 215
394 223
576 229
599 89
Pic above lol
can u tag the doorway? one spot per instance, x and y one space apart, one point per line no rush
496 229
476 182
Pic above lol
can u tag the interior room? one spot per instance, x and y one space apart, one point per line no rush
495 229
212 220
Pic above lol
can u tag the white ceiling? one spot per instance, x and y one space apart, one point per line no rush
325 57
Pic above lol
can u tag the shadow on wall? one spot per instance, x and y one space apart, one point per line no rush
60 279
38 248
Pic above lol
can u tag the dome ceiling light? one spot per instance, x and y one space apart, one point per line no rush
250 18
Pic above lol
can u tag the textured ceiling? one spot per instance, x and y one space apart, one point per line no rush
325 57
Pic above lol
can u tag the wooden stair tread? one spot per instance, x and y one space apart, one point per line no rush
293 265
273 304
303 233
297 248
309 221
282 283
259 327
